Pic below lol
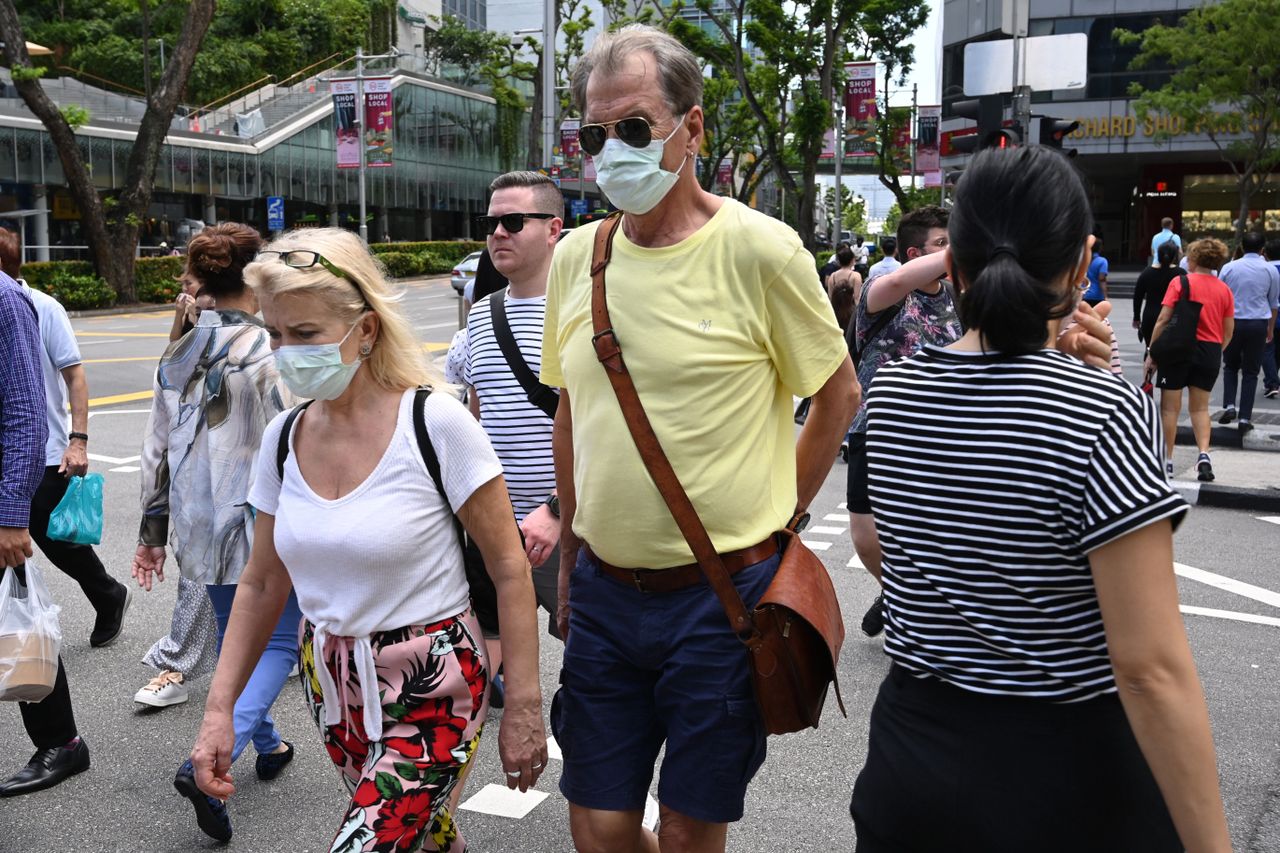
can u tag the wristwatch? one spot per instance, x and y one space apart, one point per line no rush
553 504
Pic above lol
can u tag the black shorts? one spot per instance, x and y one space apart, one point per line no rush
1201 371
857 496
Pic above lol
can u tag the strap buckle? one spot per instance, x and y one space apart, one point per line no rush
608 350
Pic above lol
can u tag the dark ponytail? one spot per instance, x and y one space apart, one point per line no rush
1016 230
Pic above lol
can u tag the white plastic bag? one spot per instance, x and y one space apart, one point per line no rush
30 637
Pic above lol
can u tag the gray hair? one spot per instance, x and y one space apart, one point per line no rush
679 72
546 194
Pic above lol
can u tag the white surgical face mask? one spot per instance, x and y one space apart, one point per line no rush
317 371
633 178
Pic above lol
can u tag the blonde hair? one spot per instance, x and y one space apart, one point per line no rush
1208 253
397 361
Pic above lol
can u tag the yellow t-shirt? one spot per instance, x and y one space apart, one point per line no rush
718 331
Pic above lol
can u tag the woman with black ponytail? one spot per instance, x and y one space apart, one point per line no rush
1042 694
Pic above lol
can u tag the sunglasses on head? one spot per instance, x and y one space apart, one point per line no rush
634 131
301 259
512 223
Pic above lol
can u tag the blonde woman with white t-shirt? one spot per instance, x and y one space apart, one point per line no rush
353 521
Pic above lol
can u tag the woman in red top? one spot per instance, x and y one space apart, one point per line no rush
1213 332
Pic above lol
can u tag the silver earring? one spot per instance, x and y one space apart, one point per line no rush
365 349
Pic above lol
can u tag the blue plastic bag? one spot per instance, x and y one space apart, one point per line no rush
78 516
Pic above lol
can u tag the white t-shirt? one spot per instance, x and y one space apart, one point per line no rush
58 352
519 430
884 266
385 555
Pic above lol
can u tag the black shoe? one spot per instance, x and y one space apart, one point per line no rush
873 620
268 766
211 813
109 624
1227 416
47 768
1244 426
1204 468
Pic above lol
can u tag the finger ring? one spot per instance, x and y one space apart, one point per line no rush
538 766
513 774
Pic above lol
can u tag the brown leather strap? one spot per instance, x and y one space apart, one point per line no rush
683 577
609 352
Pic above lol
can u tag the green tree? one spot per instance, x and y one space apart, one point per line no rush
912 198
1225 83
110 223
853 209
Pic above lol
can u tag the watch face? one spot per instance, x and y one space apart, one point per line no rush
553 504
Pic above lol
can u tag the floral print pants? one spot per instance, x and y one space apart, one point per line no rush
433 682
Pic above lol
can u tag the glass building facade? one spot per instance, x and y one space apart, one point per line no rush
446 151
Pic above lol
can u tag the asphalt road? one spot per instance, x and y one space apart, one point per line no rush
799 801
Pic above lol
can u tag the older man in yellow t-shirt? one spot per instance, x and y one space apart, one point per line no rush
722 321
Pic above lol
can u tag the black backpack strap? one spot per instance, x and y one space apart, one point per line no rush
282 448
538 394
429 456
883 319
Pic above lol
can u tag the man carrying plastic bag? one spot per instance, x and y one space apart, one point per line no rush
50 723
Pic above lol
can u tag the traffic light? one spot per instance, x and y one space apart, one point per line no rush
988 112
1054 130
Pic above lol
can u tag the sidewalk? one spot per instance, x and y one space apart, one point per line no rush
1246 466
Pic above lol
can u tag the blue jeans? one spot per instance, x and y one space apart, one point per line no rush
253 709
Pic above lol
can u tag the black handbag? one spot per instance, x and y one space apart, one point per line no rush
1177 341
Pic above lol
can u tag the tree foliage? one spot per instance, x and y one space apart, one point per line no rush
1226 83
247 41
912 198
853 209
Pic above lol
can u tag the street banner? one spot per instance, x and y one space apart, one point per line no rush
724 175
346 126
927 140
377 122
901 151
569 148
860 109
828 145
932 179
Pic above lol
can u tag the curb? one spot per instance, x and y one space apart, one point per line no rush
1232 439
1229 497
140 308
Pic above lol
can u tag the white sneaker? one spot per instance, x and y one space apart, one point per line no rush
162 691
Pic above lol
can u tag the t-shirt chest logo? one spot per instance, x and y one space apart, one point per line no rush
705 325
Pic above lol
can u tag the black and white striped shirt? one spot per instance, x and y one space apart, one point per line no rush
520 431
991 479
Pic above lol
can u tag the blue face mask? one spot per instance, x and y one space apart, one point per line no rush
633 178
317 371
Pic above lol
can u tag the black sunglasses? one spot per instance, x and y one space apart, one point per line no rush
512 222
635 131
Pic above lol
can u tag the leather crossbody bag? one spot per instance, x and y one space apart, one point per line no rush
794 634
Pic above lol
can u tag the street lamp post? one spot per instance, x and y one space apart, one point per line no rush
361 58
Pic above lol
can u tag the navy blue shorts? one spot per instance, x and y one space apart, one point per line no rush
644 668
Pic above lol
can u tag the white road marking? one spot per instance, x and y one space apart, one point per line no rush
1274 519
127 469
124 460
842 505
826 531
553 749
650 813
1230 614
95 343
451 323
502 801
1232 585
855 563
815 545
94 414
836 516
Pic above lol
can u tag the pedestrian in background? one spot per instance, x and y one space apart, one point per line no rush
1148 292
24 429
1255 286
1199 373
66 452
1042 694
1271 353
215 392
887 264
393 663
1165 237
1097 274
844 287
722 319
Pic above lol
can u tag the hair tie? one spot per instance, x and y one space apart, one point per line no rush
1004 250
